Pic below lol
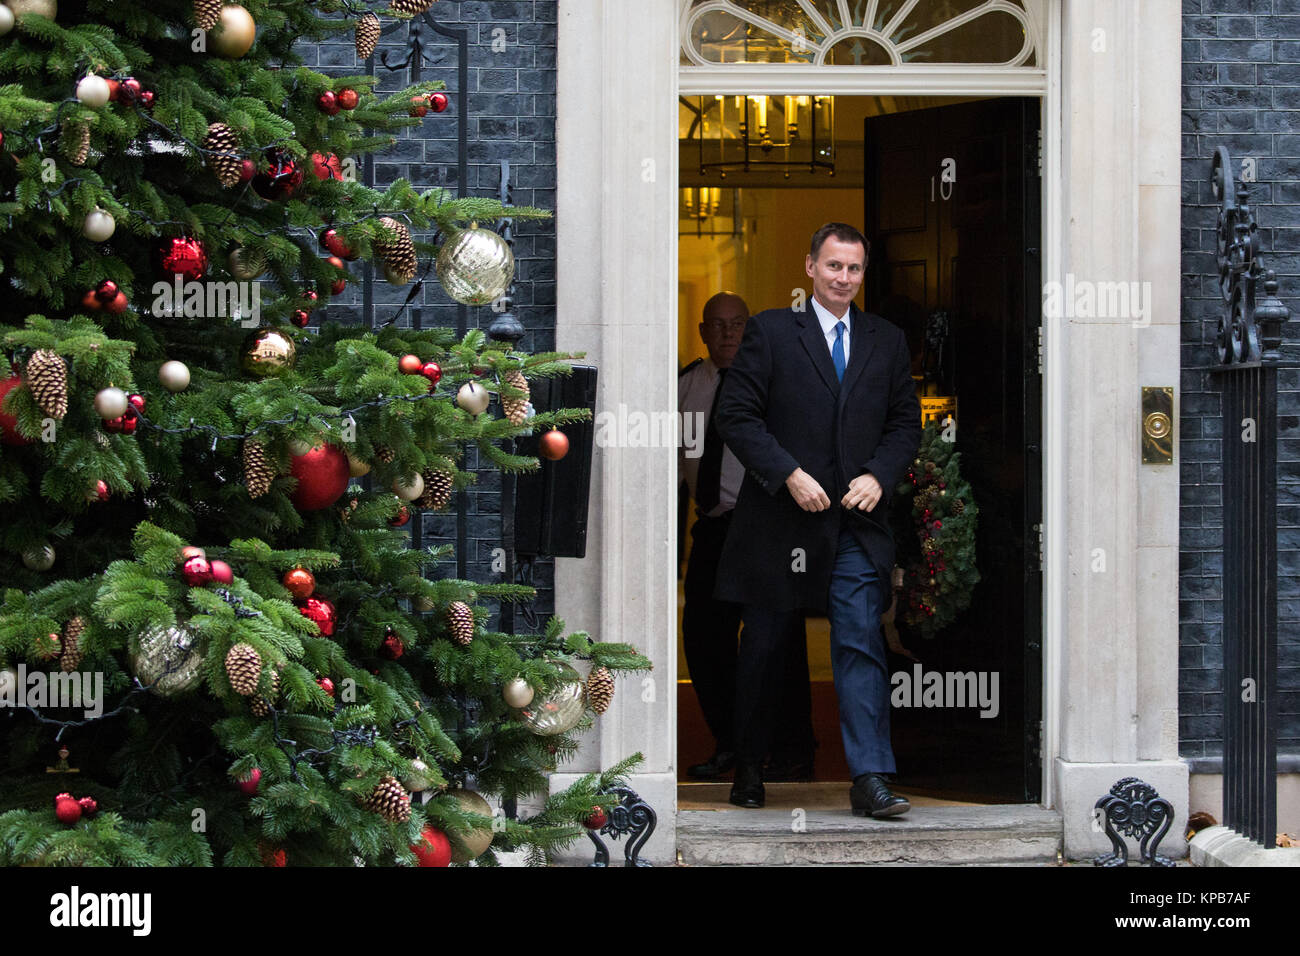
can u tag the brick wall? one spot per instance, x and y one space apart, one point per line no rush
511 100
1241 89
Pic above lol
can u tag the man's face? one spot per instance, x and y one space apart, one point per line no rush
837 273
723 328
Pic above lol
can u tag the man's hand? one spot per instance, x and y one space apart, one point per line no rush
807 493
864 492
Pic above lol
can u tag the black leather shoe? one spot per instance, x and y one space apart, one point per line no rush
870 797
714 767
788 770
747 790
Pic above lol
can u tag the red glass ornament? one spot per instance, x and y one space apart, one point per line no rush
130 422
438 102
247 170
274 858
114 89
190 551
9 434
282 177
136 401
326 166
146 99
67 811
63 796
311 295
88 806
596 819
938 524
338 286
183 256
419 106
401 518
222 573
554 445
392 648
118 305
434 849
341 282
129 90
196 571
332 241
432 371
328 103
410 364
320 611
115 424
91 302
249 784
326 685
101 490
322 475
348 98
106 291
300 318
299 582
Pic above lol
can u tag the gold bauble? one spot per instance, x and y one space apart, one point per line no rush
357 469
234 35
268 352
169 659
468 846
518 693
559 710
46 8
39 557
246 264
422 603
476 266
417 777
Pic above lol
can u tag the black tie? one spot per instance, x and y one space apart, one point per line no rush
707 486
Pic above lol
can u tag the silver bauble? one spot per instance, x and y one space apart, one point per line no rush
174 376
476 266
110 403
167 660
517 693
92 91
6 20
39 557
409 488
99 225
469 846
473 398
358 469
417 777
559 710
246 264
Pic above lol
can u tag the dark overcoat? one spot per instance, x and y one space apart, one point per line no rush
781 408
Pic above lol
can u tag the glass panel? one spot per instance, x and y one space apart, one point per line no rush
992 38
857 51
885 12
926 16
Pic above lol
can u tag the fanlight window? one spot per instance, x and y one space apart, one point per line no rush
860 32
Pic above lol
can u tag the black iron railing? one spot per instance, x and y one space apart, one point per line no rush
1248 349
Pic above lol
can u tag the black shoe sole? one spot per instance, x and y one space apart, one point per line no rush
890 811
746 804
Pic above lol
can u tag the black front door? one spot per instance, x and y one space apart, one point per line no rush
952 211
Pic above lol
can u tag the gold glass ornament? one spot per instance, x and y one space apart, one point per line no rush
234 35
417 777
410 487
246 264
357 469
559 710
268 352
39 557
475 266
168 660
518 693
468 846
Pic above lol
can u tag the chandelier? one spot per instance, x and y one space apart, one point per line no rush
747 133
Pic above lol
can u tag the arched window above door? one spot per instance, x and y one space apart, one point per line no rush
1002 33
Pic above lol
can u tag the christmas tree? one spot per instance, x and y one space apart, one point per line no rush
206 486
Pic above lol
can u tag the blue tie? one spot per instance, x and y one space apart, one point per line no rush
837 351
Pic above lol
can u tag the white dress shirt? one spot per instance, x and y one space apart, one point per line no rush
695 391
828 327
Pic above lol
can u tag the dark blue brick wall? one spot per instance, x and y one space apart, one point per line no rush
1241 89
511 100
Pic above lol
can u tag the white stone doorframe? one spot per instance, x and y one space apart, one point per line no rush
1111 202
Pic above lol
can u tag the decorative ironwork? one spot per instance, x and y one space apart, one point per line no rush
1134 809
631 817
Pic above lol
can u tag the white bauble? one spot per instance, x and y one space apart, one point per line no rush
174 376
298 447
417 777
410 487
6 20
8 676
517 692
110 403
93 91
99 225
473 398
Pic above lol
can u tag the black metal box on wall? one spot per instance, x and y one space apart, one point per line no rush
551 503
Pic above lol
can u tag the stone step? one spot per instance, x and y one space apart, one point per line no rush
1008 834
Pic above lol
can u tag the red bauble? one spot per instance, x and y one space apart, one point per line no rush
322 612
392 648
322 476
247 170
136 401
409 364
299 582
596 819
129 423
434 849
282 177
300 318
114 89
938 524
191 551
326 166
88 806
115 424
91 302
222 573
402 517
271 857
438 102
146 99
67 811
332 241
106 291
128 91
554 445
101 490
328 103
432 371
249 784
63 796
196 571
326 685
419 105
8 423
348 98
338 286
183 256
118 305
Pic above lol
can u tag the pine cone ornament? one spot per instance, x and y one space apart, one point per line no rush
413 7
243 667
928 545
460 621
385 454
207 13
71 657
74 143
390 800
367 35
958 506
397 255
437 490
259 705
515 408
600 689
47 377
222 145
258 471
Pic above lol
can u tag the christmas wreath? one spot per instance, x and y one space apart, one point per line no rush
939 569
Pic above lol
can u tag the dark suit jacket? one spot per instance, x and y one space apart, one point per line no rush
781 407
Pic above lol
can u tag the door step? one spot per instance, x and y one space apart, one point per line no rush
999 835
